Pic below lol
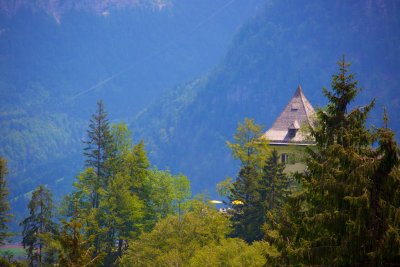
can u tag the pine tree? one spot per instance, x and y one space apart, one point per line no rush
38 224
5 216
346 213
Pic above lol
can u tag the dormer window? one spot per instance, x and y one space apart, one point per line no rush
293 129
292 133
295 106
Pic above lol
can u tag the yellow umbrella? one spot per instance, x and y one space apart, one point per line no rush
237 202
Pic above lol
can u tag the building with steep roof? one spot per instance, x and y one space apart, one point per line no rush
297 114
287 134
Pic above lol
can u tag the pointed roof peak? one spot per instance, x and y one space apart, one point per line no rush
299 91
297 112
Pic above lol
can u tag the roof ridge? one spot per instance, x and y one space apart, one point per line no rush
297 111
304 105
303 99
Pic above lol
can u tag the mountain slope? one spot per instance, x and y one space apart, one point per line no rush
57 58
287 43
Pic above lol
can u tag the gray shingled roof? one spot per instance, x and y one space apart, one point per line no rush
298 112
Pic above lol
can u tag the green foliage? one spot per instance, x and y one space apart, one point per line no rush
182 192
232 252
38 225
98 150
122 140
5 216
73 248
248 215
160 192
249 147
224 187
274 185
165 194
260 187
117 196
136 165
122 215
346 212
174 240
87 188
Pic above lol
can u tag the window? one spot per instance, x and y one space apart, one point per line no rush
295 106
292 133
284 158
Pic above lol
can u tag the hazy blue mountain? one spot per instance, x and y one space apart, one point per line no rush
57 58
175 75
287 43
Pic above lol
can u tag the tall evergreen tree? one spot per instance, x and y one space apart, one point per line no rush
37 224
112 201
346 214
99 149
274 186
274 189
248 216
5 216
251 150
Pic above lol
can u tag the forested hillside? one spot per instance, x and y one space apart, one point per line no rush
54 70
124 211
58 58
121 120
287 43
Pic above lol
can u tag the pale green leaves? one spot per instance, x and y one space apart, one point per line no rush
249 146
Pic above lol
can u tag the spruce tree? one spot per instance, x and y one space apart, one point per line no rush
251 149
92 183
248 216
98 150
112 201
346 213
274 186
5 216
38 224
274 190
